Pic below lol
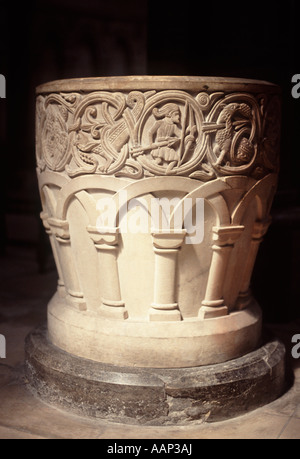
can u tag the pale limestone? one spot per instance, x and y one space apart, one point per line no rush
151 298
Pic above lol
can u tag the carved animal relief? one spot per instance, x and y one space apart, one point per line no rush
171 132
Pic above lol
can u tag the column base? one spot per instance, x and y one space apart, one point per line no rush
113 312
164 314
77 302
243 300
61 290
148 343
208 312
154 396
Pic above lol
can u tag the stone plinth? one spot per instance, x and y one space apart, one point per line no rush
154 396
156 194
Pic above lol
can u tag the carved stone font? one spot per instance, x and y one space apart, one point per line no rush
156 194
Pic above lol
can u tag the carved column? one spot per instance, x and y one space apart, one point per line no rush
106 243
166 247
60 229
259 230
60 282
224 239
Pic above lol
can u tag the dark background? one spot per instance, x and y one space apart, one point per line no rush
53 39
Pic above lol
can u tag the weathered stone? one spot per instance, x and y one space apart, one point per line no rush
154 396
91 388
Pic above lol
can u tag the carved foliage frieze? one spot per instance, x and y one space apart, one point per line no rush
170 132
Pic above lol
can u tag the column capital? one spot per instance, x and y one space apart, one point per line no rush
60 228
168 239
104 235
226 235
44 217
260 228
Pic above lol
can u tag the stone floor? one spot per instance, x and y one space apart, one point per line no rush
24 293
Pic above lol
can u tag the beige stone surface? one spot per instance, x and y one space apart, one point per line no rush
179 344
157 82
156 194
14 434
291 429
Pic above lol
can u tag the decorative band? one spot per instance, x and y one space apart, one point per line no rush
155 133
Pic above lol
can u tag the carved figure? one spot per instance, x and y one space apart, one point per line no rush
224 136
166 133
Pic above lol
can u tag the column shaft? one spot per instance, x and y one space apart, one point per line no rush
164 283
166 247
217 272
106 244
60 282
60 228
224 238
259 230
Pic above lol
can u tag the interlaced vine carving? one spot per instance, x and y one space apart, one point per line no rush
170 132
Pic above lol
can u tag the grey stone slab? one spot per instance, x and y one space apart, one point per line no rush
154 396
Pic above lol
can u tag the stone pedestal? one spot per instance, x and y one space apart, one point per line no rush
156 193
154 396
